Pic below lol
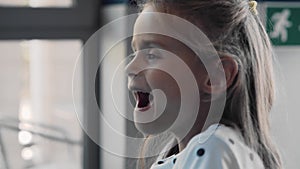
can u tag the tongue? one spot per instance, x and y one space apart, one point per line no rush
143 99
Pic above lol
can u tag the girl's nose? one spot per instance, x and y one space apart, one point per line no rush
133 67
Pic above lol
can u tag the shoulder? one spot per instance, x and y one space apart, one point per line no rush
218 147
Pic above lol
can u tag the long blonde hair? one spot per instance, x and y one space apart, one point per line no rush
234 29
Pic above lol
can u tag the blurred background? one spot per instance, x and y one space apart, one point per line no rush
40 41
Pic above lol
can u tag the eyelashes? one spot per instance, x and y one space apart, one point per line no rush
148 54
151 56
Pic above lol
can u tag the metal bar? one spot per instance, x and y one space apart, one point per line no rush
3 152
58 139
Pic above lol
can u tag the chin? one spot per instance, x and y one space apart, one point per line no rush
151 128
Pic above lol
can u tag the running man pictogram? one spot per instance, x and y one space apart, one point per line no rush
281 24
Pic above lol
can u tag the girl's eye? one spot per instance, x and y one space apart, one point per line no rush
151 56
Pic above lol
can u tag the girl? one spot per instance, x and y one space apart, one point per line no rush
241 139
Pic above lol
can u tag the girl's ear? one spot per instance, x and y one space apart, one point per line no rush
227 66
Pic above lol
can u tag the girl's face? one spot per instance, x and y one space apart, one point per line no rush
156 91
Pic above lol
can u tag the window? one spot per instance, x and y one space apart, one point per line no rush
39 39
37 3
38 124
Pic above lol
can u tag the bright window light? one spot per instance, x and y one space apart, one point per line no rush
25 137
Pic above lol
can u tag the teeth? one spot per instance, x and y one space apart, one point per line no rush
150 97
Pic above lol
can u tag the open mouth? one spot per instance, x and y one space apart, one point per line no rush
143 100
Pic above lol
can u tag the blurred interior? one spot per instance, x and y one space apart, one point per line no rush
40 41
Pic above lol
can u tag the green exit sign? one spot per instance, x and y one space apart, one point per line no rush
283 25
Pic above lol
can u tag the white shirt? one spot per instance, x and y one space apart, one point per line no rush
224 149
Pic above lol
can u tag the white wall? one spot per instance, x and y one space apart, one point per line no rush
285 114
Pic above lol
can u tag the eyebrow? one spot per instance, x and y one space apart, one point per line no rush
147 44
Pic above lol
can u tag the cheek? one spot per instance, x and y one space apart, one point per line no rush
161 80
199 72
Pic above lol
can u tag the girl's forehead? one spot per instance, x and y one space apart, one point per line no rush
148 27
146 19
151 21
